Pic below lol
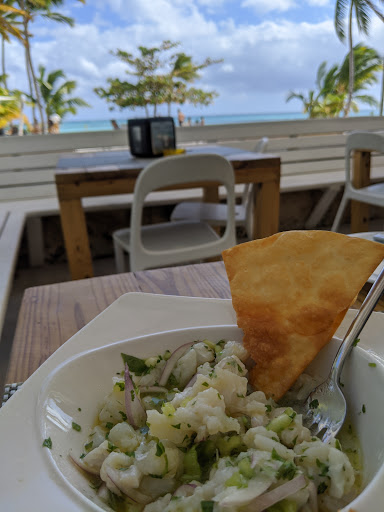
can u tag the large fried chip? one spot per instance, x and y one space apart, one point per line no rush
290 292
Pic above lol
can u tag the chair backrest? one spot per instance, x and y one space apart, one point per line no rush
366 141
249 190
179 170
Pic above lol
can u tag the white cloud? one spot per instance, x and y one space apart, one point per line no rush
264 6
319 3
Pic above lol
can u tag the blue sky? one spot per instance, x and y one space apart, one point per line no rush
268 47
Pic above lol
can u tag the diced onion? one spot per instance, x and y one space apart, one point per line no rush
171 363
185 490
279 493
312 502
244 496
134 409
132 494
80 464
153 389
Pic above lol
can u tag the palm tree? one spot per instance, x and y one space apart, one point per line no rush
33 9
8 27
332 86
56 97
345 10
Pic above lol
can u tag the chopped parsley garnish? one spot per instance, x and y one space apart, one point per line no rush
355 342
79 409
123 415
76 427
286 471
268 407
372 365
111 447
47 443
109 425
207 506
338 444
205 384
314 404
120 385
135 365
159 449
324 468
132 395
321 488
177 426
130 454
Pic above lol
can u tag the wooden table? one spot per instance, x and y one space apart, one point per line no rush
115 172
51 314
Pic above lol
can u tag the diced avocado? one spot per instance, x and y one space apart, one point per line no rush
168 409
281 422
212 346
236 480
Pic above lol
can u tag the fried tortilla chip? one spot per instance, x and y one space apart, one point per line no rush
290 292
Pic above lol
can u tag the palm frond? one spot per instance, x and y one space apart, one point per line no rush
60 18
341 10
362 12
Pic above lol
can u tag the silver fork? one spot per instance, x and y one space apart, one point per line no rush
325 408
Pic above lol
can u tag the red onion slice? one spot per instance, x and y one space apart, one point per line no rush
185 490
191 382
280 493
312 502
171 363
134 409
153 389
80 464
132 494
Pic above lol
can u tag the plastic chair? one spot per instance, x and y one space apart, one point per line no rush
214 213
372 194
174 243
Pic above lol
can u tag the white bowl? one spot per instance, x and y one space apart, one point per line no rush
84 380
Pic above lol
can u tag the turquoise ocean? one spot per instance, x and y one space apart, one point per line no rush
68 126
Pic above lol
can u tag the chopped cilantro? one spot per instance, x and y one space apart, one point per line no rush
109 425
89 446
321 488
338 444
47 443
268 407
294 441
177 426
123 415
120 385
205 384
314 404
324 468
82 456
130 454
76 427
372 365
79 408
286 471
363 409
132 395
111 447
219 396
276 456
135 365
206 506
240 396
355 342
159 449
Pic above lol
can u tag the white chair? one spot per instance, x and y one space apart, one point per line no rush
174 243
372 194
215 214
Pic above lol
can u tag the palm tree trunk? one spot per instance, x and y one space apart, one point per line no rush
351 64
3 62
382 92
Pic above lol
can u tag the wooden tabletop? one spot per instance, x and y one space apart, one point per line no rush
51 314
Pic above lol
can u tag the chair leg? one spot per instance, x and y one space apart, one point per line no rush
119 258
339 214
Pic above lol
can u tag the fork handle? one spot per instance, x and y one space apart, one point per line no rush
357 325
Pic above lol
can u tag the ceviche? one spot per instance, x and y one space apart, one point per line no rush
184 431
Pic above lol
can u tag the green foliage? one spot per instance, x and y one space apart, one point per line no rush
331 94
158 78
56 96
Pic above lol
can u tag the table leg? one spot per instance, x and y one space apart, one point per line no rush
266 209
361 178
76 238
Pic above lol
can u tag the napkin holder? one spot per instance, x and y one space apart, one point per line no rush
149 137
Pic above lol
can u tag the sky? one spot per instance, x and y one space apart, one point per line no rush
268 47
